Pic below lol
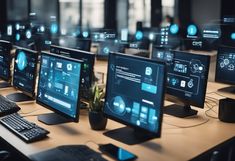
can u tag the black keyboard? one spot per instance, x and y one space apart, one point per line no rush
27 131
7 107
69 153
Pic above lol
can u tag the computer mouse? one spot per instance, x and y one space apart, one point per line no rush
4 155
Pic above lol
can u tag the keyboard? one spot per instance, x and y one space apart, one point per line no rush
68 153
25 130
7 107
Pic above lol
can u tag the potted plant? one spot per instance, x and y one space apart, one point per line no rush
96 118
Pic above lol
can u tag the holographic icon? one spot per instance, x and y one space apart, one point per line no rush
21 61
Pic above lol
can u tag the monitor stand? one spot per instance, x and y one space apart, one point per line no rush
19 97
129 135
52 119
5 85
230 89
179 111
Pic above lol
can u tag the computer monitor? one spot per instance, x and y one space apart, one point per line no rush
88 66
58 88
74 42
187 76
5 63
135 97
105 47
25 73
225 68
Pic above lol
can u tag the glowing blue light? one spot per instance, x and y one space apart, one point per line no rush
192 30
174 29
85 34
42 28
116 41
21 61
233 36
151 36
28 34
17 26
54 28
139 35
17 37
106 50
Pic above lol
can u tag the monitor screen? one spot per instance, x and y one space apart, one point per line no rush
5 60
225 68
135 92
88 64
25 68
187 75
106 47
75 43
59 83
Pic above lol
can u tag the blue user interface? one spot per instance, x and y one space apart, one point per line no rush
25 70
88 63
225 68
58 84
187 75
135 92
106 47
5 61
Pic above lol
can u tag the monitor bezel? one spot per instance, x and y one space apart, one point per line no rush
84 53
3 43
221 49
157 133
29 93
177 99
76 119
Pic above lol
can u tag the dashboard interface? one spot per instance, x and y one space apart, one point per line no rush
135 91
88 64
25 70
58 85
225 68
187 75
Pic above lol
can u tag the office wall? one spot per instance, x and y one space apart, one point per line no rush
203 11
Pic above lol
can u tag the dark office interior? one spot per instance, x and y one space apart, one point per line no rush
124 80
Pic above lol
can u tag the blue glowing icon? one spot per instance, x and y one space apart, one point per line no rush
28 34
17 26
233 36
119 106
42 28
174 29
85 34
106 50
151 36
139 35
192 30
17 37
54 28
21 61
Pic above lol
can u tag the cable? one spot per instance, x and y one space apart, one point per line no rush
185 127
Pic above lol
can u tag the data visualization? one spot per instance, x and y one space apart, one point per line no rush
135 92
59 82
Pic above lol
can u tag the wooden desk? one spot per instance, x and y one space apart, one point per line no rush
177 143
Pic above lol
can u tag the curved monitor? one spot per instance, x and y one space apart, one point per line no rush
5 60
58 87
135 92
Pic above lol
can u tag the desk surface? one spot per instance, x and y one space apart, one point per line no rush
179 141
